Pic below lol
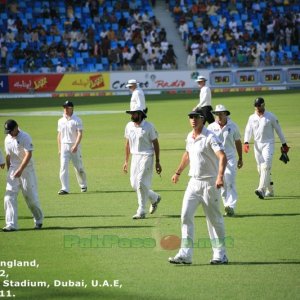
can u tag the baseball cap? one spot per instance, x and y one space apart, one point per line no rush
221 108
259 101
131 82
197 112
9 126
68 104
201 78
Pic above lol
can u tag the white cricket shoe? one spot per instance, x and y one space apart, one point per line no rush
139 216
153 206
223 261
177 259
9 228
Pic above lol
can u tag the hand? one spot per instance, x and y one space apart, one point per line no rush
285 148
18 173
240 163
2 166
125 167
246 148
219 182
175 178
74 149
158 168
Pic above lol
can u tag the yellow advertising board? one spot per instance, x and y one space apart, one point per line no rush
84 82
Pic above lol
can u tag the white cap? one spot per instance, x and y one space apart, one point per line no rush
131 82
201 78
221 108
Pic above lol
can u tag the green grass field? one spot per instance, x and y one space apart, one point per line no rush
264 249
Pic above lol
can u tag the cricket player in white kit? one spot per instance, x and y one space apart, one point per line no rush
142 143
205 155
205 99
21 175
68 138
137 96
229 134
261 125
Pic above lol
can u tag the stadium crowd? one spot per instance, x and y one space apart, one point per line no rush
239 33
96 35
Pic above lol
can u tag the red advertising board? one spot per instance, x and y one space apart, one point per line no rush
34 83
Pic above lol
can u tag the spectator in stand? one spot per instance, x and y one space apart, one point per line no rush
191 60
150 66
126 66
60 68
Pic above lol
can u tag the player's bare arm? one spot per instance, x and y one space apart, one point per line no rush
222 166
127 155
27 157
77 142
7 159
157 161
184 162
59 142
239 149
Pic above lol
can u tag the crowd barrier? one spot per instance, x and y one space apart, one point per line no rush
156 82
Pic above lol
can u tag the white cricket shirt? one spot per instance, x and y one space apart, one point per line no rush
141 137
68 128
205 97
16 148
203 160
262 128
228 135
138 99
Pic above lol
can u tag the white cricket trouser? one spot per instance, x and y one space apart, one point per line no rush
141 172
202 192
28 184
228 192
65 156
264 156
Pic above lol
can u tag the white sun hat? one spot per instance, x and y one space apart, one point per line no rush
221 108
131 82
201 78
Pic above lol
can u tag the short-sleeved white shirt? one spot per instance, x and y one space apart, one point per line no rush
138 99
203 160
228 135
262 128
204 97
141 137
68 128
16 148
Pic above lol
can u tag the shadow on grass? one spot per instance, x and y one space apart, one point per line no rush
281 198
266 215
132 191
85 227
244 263
178 216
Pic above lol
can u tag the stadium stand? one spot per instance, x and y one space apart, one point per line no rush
97 35
37 36
239 33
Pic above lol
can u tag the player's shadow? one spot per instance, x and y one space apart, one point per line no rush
178 216
46 228
77 216
282 197
266 215
246 263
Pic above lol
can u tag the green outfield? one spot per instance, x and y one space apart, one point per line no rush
90 239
